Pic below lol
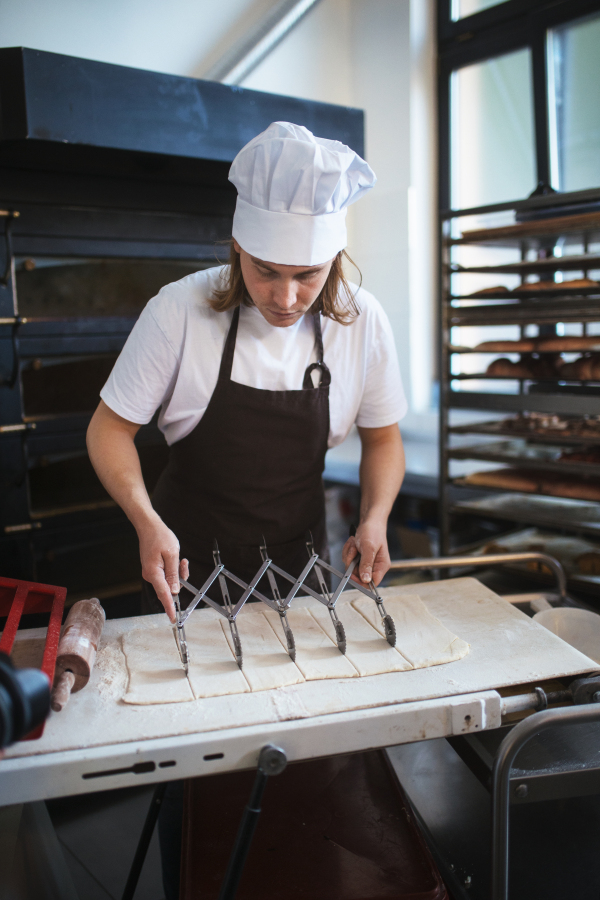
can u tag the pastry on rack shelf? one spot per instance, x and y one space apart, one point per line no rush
589 563
527 367
525 345
532 481
574 284
586 368
498 291
506 368
568 344
590 455
507 479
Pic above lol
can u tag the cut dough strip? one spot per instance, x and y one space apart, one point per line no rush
213 670
365 649
154 666
266 663
420 637
317 655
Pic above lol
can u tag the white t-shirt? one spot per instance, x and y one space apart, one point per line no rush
172 358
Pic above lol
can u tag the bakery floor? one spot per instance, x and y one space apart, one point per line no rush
98 834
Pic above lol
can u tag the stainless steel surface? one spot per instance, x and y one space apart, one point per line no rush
511 745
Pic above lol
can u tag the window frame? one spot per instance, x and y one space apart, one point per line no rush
509 26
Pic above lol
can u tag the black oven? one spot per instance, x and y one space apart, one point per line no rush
113 182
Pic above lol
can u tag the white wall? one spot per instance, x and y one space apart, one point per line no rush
375 54
177 36
379 55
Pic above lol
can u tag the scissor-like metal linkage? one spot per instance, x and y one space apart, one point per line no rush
277 603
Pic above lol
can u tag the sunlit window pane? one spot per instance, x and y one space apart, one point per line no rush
574 77
492 131
462 8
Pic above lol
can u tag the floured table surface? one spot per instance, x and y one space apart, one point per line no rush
506 648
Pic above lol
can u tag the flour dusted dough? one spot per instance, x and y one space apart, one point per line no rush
155 671
420 637
266 664
317 655
157 676
213 670
369 653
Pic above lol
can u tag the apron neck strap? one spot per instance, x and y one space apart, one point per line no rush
229 350
318 337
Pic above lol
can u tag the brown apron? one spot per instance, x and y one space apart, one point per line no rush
251 468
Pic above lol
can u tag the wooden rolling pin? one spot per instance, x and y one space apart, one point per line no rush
77 650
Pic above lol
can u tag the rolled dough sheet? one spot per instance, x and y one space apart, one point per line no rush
154 667
266 664
420 637
368 652
317 656
213 670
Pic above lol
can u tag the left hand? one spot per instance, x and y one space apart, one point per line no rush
371 542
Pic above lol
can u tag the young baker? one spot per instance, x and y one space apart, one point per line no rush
258 367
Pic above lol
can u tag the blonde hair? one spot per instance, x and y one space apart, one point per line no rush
336 300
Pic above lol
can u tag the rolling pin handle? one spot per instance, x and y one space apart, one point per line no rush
62 691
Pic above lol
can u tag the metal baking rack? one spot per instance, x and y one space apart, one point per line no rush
543 246
281 605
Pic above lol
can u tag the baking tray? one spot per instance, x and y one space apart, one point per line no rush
552 512
520 452
498 428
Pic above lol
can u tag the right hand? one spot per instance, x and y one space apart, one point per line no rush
159 553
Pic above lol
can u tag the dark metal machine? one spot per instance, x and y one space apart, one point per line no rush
113 182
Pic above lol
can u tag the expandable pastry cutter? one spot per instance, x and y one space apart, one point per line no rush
278 603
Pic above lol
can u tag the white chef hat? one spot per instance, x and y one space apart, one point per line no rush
293 193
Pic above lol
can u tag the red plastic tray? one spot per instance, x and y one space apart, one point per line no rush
22 597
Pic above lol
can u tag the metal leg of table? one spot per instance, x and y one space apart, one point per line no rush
272 761
144 842
505 756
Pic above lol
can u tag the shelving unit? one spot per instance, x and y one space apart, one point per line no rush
542 430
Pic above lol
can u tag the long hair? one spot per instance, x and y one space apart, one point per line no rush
336 300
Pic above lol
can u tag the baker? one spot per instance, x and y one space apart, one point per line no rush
258 367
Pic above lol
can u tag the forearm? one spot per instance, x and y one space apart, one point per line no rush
381 474
382 469
115 459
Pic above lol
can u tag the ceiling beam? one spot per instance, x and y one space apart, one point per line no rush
246 54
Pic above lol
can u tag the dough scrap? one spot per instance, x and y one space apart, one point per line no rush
213 670
317 655
420 637
155 671
266 664
369 653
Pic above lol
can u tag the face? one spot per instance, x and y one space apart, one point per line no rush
282 293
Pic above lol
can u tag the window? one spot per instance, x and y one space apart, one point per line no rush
574 104
462 8
492 131
519 100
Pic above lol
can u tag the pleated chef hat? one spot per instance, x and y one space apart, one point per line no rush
293 193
